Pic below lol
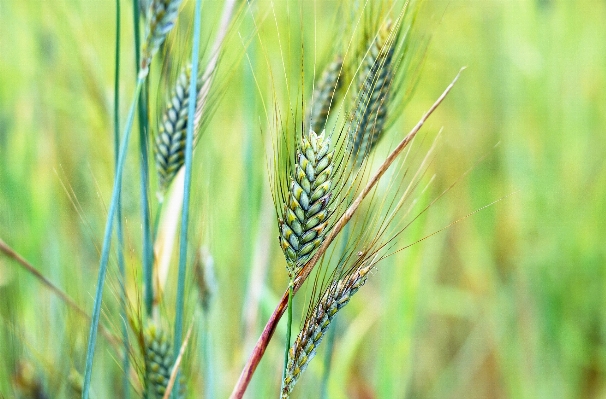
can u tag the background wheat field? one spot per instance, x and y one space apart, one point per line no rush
510 302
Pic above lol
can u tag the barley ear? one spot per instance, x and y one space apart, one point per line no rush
158 361
161 17
370 112
324 95
303 223
333 299
169 145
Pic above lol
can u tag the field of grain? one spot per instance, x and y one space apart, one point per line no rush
506 300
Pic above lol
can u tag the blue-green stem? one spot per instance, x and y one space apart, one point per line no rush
288 330
144 171
92 337
147 258
189 147
119 235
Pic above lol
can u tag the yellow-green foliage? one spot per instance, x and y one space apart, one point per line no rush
509 303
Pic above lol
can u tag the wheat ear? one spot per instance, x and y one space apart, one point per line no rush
268 330
169 146
304 218
158 361
161 17
334 298
325 94
376 76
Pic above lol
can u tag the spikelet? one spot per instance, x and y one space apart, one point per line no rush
161 17
305 215
334 298
158 362
324 96
169 145
376 76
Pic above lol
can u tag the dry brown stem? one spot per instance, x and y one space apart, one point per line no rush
11 253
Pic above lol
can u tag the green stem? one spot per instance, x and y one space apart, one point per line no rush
288 330
189 147
144 168
92 337
148 255
119 233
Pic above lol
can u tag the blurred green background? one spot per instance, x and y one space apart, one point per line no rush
509 303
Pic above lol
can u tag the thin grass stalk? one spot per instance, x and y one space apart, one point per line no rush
69 301
270 327
145 209
119 233
136 27
144 170
248 192
92 336
189 147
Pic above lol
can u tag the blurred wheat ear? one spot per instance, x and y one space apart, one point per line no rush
169 145
375 81
159 362
304 217
161 16
325 94
27 383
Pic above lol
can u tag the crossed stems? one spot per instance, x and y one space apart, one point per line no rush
270 327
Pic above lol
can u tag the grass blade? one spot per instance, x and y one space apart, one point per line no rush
144 170
119 233
189 145
92 336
